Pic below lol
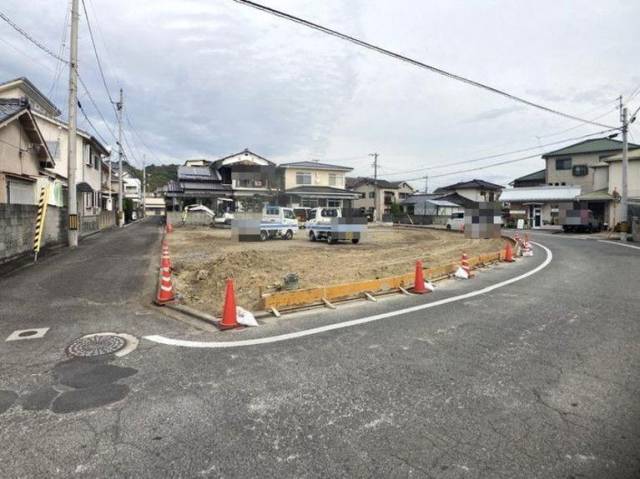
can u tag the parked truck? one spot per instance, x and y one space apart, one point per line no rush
328 224
578 221
278 222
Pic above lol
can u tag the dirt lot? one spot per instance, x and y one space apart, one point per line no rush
204 257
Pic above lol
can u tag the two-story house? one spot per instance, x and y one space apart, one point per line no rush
311 184
378 195
574 174
89 151
24 155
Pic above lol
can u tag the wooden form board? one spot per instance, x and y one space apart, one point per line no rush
311 296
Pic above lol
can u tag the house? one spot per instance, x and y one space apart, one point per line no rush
573 165
475 190
575 176
24 155
378 195
425 204
312 184
238 181
154 206
89 151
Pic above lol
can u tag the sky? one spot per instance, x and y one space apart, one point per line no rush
208 78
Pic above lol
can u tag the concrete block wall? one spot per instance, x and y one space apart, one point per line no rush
18 224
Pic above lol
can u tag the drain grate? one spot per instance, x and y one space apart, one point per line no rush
96 345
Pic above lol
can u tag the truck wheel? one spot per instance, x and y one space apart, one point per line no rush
288 235
448 227
312 236
355 240
264 236
331 239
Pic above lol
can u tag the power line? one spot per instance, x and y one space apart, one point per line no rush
397 56
95 51
95 106
135 132
31 39
91 123
513 152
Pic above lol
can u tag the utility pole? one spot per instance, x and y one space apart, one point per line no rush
72 160
375 185
120 106
144 184
426 184
110 195
624 200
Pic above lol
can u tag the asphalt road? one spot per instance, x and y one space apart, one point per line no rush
536 379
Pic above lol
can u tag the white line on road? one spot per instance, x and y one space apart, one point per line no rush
619 244
353 322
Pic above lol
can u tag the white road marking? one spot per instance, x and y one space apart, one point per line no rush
33 333
619 244
353 322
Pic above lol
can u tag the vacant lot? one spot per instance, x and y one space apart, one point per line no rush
204 258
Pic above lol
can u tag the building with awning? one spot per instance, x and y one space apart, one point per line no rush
539 205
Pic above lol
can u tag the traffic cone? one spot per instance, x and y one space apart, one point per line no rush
165 288
526 249
169 228
465 265
165 260
508 253
229 313
418 283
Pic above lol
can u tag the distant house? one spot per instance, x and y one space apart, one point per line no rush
231 182
378 194
312 184
474 190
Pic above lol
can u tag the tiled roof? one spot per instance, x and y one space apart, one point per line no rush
470 184
10 106
314 165
380 183
595 145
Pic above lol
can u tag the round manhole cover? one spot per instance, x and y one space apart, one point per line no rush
96 345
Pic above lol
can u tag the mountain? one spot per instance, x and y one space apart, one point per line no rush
157 175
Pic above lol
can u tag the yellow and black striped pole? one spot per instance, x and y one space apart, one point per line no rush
42 212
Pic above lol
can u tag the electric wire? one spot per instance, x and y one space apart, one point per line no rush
420 64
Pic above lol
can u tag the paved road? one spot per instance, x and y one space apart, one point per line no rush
538 378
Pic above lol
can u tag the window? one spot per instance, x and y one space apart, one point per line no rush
333 203
288 214
362 195
86 155
303 178
580 170
563 163
372 194
329 213
272 210
335 179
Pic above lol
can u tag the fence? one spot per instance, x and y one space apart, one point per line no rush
18 223
422 220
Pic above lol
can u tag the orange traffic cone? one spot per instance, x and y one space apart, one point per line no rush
169 228
165 288
418 283
508 252
165 261
229 313
465 265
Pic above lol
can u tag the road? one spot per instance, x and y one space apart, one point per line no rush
537 378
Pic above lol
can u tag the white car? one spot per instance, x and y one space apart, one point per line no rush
455 221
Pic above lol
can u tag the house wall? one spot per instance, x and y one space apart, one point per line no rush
600 178
368 203
615 182
475 194
567 177
16 161
318 177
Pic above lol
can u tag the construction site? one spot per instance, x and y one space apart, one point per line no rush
204 258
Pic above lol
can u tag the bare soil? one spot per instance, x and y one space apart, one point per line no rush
203 258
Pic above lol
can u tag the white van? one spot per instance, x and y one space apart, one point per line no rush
455 221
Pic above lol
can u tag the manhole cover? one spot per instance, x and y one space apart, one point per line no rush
96 345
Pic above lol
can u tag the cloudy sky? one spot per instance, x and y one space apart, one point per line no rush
209 78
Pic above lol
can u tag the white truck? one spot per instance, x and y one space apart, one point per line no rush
328 223
223 217
278 222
